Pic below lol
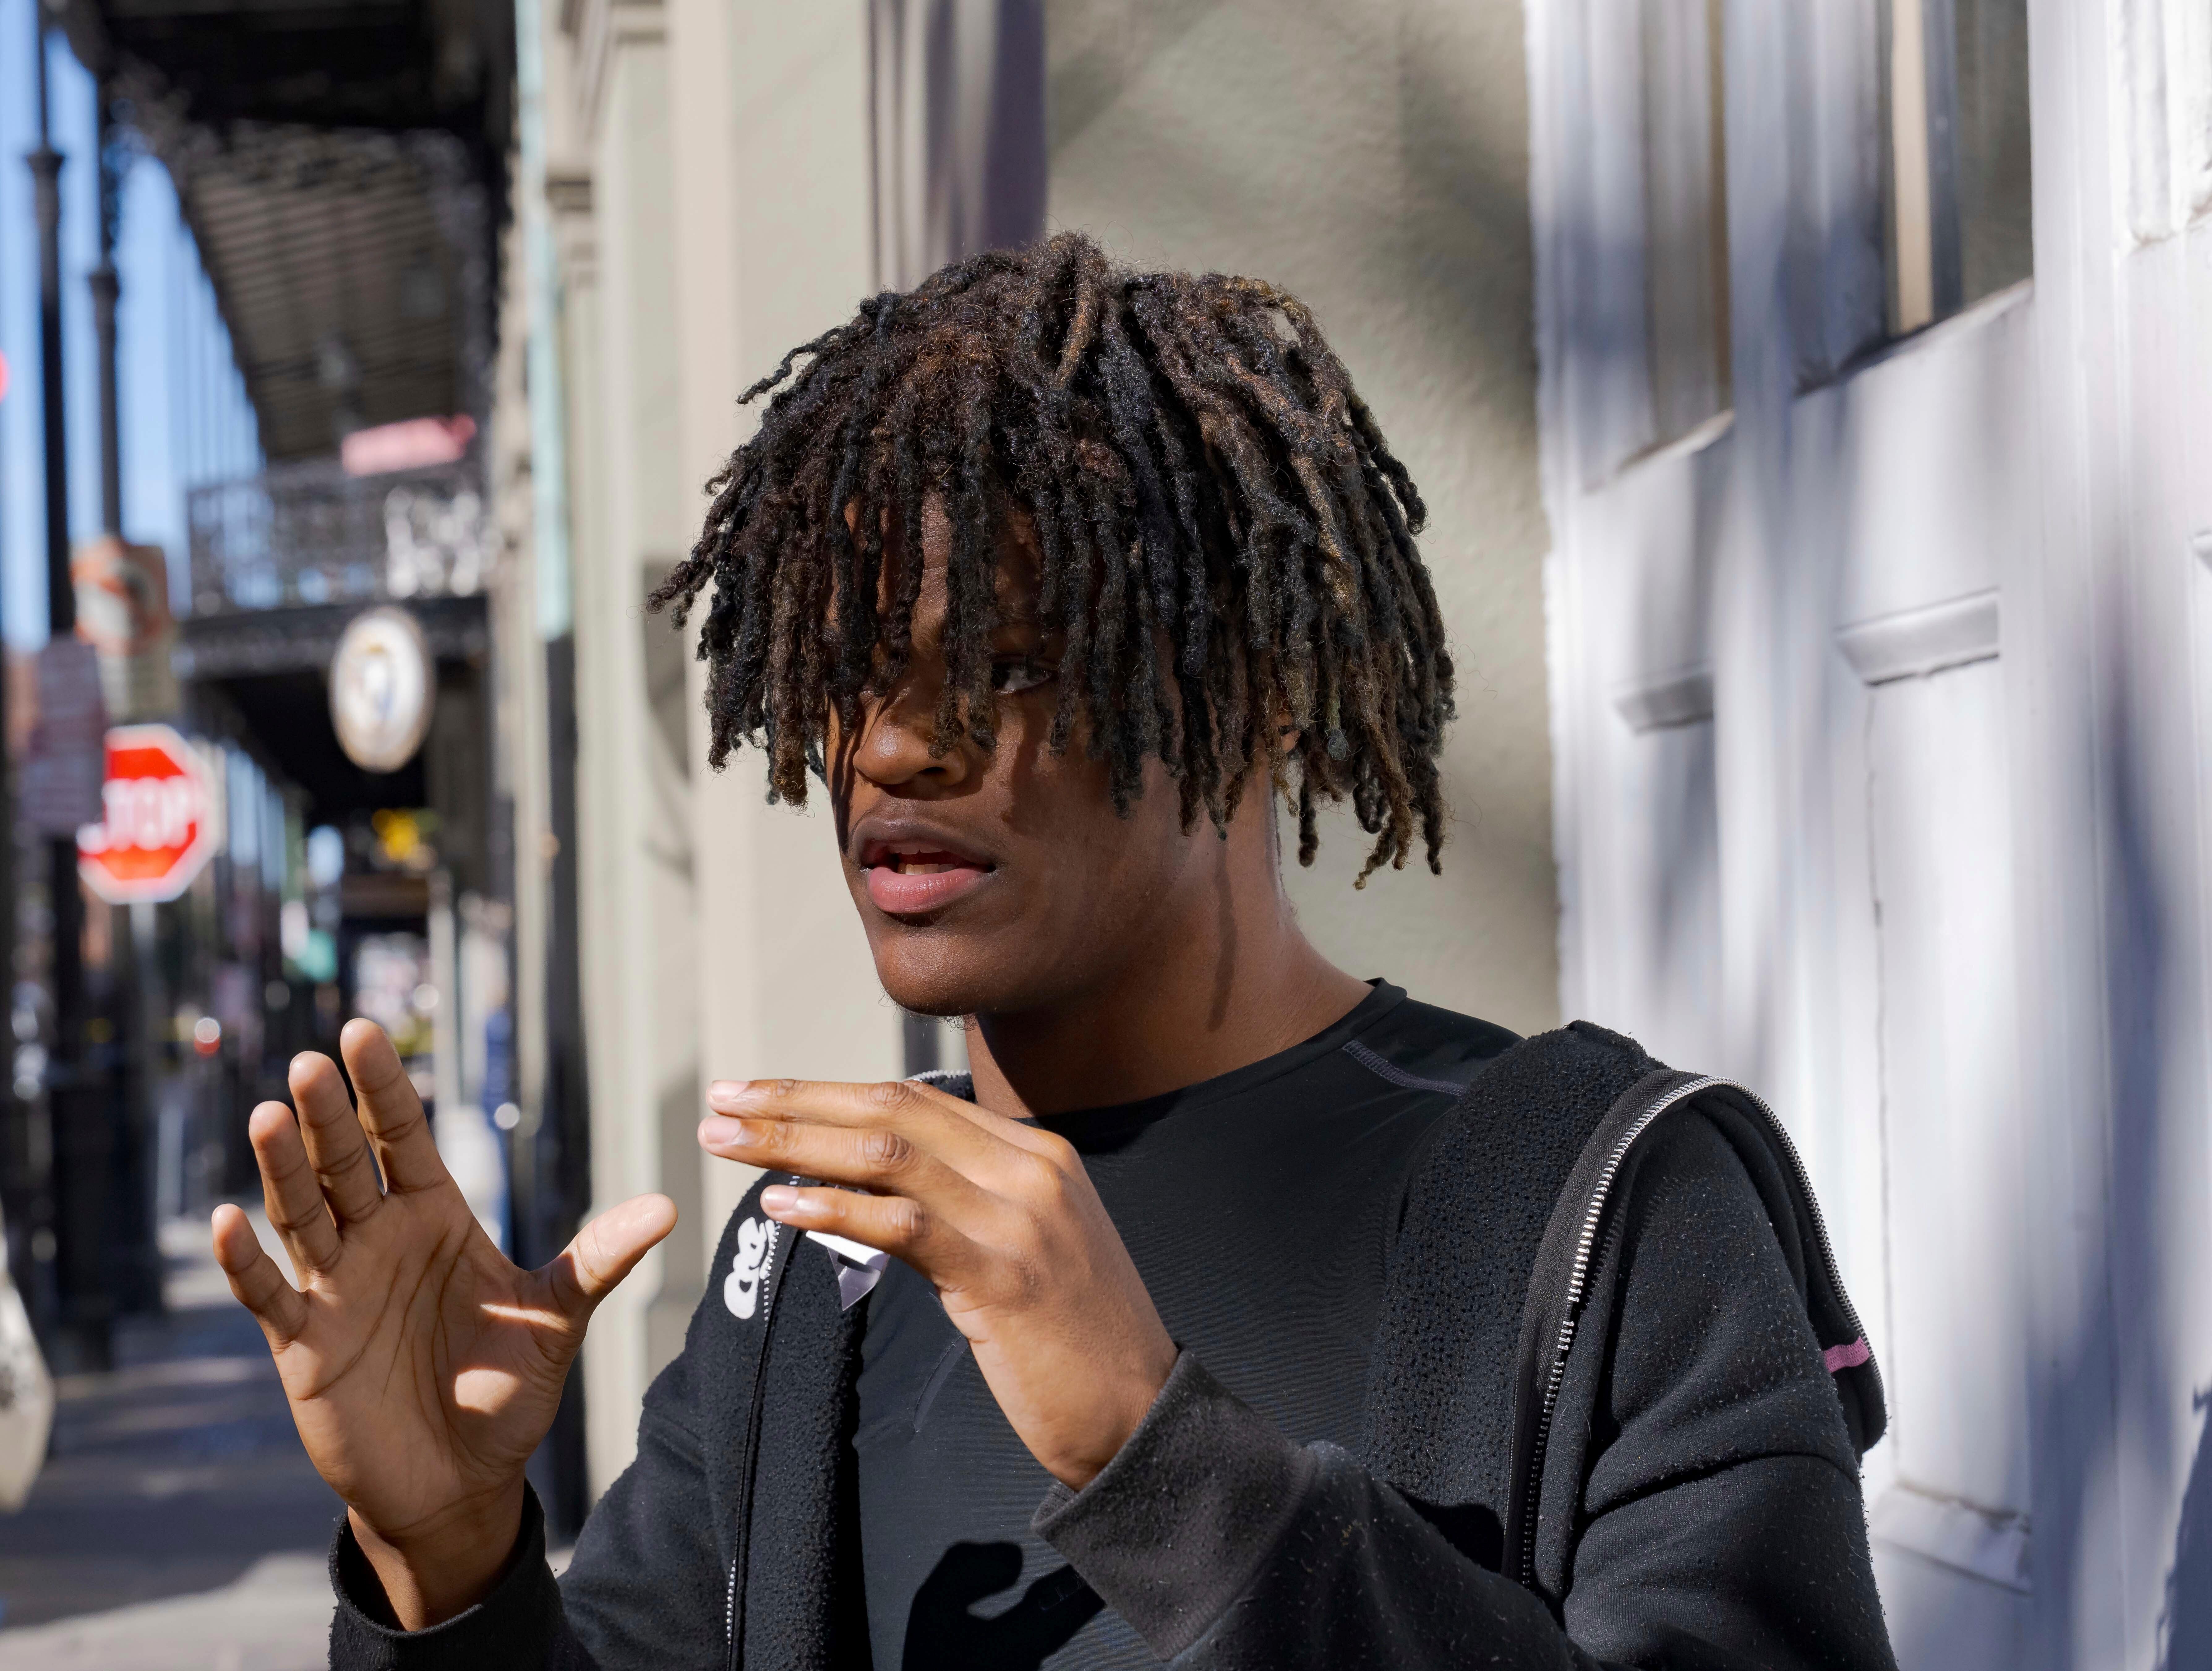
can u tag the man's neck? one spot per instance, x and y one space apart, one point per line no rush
1227 981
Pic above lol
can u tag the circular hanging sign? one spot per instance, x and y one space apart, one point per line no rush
156 828
382 688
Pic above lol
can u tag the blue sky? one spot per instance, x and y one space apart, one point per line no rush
184 415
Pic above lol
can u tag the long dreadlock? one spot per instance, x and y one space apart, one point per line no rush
1226 540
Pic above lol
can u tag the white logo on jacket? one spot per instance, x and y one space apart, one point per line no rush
741 1290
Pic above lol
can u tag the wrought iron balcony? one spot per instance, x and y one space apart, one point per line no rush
308 535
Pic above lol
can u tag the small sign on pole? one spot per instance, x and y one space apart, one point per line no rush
123 612
59 788
157 827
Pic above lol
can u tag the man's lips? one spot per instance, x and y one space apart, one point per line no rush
913 878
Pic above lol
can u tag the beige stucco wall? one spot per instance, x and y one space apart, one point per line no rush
774 248
1373 159
713 206
635 877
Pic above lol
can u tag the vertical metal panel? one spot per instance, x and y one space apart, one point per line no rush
959 116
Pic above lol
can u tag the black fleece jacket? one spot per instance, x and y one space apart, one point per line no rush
1700 1503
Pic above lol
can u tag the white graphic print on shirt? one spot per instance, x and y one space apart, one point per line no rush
741 1290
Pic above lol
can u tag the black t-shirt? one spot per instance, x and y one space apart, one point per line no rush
1259 1208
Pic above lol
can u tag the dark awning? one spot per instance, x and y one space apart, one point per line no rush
342 166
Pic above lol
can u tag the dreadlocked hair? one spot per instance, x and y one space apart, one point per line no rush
1226 540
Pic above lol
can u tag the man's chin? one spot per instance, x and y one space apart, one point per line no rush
941 982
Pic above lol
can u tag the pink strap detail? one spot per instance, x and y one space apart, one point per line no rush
1847 1356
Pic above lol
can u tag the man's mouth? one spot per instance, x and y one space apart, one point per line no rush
914 878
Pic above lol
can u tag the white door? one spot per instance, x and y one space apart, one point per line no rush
1789 434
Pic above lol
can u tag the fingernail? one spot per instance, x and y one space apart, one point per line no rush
724 1092
779 1198
720 1131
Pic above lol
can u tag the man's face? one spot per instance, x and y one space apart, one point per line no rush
1001 881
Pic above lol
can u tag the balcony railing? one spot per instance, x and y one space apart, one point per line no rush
305 535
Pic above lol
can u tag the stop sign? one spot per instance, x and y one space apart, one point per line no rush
156 828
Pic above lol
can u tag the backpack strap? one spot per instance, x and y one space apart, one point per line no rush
1587 1206
1437 1419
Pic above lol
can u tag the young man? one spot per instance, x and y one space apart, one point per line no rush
1200 1339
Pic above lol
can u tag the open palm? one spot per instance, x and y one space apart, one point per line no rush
422 1366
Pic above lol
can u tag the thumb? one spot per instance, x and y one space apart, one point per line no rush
605 1251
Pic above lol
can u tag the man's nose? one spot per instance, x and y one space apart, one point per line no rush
896 735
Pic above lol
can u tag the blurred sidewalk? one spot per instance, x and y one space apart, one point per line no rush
177 1523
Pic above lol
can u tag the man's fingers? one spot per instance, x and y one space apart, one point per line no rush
877 1157
254 1278
605 1251
966 1136
832 1102
289 1191
335 1147
390 1108
893 1223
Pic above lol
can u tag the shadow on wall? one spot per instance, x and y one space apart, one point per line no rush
2187 1627
2106 1396
2139 975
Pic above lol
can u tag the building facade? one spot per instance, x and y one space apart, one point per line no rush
1812 406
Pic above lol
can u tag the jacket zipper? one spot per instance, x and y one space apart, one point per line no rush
769 1280
1531 1486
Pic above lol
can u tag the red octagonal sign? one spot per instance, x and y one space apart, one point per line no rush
156 829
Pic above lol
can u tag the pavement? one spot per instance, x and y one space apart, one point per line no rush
177 1524
275 1617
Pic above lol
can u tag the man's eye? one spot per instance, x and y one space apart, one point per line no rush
1011 678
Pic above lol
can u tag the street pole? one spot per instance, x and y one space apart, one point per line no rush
79 1147
105 290
133 1266
45 174
46 179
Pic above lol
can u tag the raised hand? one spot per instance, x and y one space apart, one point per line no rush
422 1366
1002 1219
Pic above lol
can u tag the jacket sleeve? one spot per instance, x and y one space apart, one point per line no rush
644 1589
519 1624
1721 1523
